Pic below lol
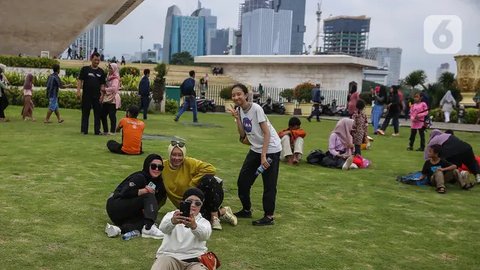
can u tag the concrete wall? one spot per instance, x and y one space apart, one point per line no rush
32 26
286 71
334 77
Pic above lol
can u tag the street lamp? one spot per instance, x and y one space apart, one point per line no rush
141 53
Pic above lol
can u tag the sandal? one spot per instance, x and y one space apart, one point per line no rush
441 190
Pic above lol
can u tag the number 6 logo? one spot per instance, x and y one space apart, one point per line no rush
442 34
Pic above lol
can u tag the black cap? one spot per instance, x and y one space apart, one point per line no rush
194 191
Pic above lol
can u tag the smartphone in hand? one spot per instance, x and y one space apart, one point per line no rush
152 185
185 208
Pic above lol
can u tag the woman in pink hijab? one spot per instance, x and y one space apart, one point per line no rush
27 111
340 146
110 99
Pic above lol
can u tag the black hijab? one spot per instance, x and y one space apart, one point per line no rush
146 166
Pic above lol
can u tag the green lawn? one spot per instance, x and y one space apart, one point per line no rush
54 183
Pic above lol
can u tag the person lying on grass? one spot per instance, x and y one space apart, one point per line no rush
132 131
440 171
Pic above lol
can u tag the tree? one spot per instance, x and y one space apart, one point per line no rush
447 80
182 58
159 84
417 77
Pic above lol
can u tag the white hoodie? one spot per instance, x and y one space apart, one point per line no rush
181 242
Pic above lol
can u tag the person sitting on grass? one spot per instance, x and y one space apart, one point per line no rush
132 131
340 146
182 172
292 141
135 202
185 237
440 171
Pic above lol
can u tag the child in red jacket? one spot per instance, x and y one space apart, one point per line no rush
292 141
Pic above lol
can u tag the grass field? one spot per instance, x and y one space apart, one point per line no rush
54 183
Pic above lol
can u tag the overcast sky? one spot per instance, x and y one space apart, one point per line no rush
394 23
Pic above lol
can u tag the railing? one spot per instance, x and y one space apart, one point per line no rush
213 92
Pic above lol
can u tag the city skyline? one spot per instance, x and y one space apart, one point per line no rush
400 27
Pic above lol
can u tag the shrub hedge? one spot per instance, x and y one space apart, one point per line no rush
303 92
66 99
24 61
470 116
129 70
171 106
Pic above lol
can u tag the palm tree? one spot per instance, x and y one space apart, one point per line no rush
447 80
417 77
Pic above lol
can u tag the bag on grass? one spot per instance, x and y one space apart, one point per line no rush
315 157
413 179
210 260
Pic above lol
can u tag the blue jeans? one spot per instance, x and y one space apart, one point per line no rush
189 102
377 112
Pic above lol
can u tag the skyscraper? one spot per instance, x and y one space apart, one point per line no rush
265 32
389 59
192 34
298 21
85 43
346 35
445 67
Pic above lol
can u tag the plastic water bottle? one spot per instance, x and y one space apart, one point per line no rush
261 169
130 235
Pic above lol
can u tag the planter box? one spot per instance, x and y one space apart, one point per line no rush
289 107
306 108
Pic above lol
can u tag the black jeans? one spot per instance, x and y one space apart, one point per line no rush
110 110
144 102
394 116
315 112
87 104
331 161
247 177
115 147
213 191
413 134
133 213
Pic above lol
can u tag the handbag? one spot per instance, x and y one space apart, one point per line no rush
210 260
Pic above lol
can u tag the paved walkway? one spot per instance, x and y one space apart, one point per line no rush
439 125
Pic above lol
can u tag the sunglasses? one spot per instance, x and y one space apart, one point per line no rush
177 143
158 167
195 202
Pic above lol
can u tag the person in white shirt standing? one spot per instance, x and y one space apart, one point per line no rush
265 147
185 237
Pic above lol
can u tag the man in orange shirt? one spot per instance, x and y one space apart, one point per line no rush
292 141
131 134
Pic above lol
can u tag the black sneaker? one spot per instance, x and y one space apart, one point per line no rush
419 149
263 221
309 119
243 214
410 148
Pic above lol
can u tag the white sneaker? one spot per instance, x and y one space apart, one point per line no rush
216 224
353 166
229 216
154 232
112 230
478 178
347 163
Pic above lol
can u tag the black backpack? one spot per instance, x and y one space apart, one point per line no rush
315 157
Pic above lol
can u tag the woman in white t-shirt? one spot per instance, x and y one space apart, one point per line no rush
265 147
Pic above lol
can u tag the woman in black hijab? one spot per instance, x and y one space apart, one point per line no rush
135 202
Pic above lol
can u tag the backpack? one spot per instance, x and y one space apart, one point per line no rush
413 179
315 157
